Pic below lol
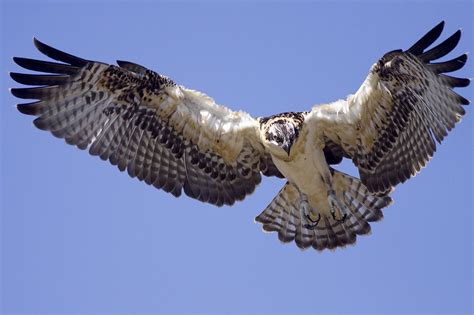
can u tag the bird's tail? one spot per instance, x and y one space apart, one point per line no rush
293 218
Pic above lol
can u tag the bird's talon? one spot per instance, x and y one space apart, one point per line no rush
342 220
310 226
313 223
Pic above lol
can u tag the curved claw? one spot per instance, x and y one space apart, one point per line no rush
314 223
310 226
342 220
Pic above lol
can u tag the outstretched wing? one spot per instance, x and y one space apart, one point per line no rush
390 125
164 134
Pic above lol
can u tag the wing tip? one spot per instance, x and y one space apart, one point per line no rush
17 77
17 60
41 124
131 66
458 33
42 47
463 58
426 40
59 55
24 109
39 44
441 49
468 81
455 38
15 92
440 26
463 82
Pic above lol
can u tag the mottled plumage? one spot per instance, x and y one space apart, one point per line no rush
180 140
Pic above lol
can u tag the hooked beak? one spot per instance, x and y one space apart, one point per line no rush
287 147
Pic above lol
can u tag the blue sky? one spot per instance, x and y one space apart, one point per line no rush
79 236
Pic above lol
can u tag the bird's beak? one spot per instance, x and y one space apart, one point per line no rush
287 147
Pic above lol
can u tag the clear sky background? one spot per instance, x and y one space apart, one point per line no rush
79 236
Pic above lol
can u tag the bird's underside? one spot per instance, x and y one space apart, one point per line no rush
178 139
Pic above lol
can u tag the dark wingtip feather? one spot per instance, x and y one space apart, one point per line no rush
34 92
132 66
41 124
450 65
45 66
34 79
456 82
442 49
428 39
17 77
59 55
18 92
28 108
463 101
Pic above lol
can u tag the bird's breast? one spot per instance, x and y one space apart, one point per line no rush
302 172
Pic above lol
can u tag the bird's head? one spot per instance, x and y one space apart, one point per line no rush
280 132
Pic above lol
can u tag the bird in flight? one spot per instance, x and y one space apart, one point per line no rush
178 139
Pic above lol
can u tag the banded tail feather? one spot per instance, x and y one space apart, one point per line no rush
286 215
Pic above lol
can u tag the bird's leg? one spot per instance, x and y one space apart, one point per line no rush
313 222
319 161
308 214
335 205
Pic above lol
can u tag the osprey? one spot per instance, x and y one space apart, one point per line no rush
178 139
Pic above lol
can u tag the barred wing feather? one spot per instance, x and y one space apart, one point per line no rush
168 136
389 127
